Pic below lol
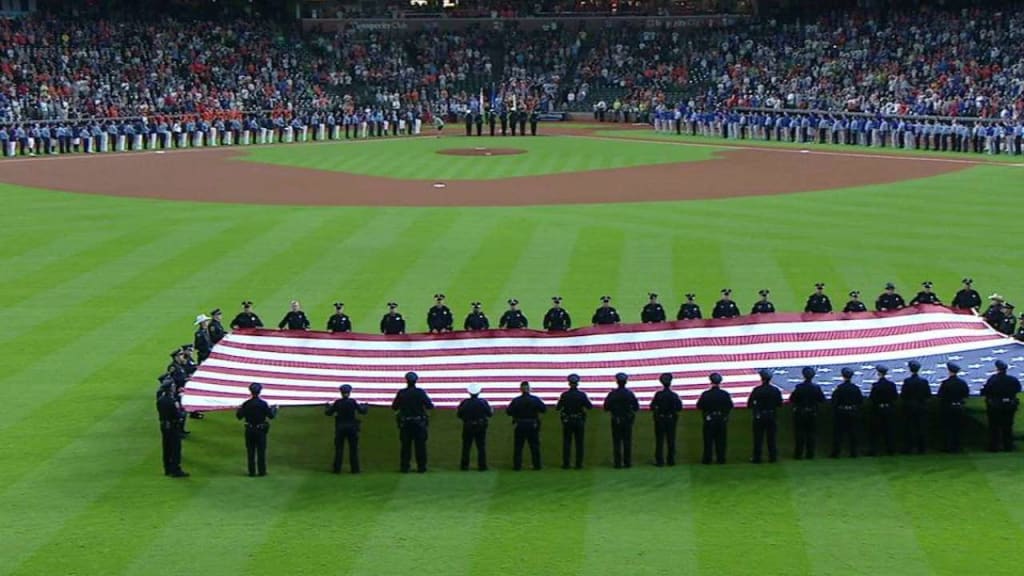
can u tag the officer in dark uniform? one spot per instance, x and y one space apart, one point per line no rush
503 116
967 298
439 317
883 398
295 319
190 364
525 411
557 318
177 368
257 414
926 296
246 318
170 415
513 318
914 395
818 302
846 402
1019 335
855 304
572 408
995 312
623 406
392 323
1008 325
689 310
764 403
476 320
725 308
953 393
653 311
339 321
410 406
346 429
216 327
469 123
534 118
715 405
492 118
763 306
1000 393
201 338
665 409
605 314
478 119
475 413
805 398
513 120
889 300
522 122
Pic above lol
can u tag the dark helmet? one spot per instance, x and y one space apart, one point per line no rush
573 379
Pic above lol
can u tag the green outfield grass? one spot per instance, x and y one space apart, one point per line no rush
96 291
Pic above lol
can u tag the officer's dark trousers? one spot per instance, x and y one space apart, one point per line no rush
526 433
714 440
622 442
882 426
256 451
469 128
1000 429
916 439
572 437
844 426
665 440
172 447
952 421
349 434
474 435
765 428
805 432
413 434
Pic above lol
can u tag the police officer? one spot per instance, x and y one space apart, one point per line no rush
439 317
665 409
339 321
201 338
805 398
914 395
715 405
653 311
295 319
763 306
926 296
889 300
689 310
855 304
513 318
469 122
522 122
534 118
246 318
1000 393
492 118
525 411
503 116
476 320
623 406
605 315
725 308
170 414
216 326
475 413
953 393
995 312
846 402
346 429
572 408
1008 325
818 302
1019 335
883 398
410 406
256 413
967 298
392 323
557 318
764 403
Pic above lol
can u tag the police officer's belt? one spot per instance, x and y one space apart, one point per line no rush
764 413
478 423
526 421
884 406
168 424
847 408
665 415
956 404
573 418
806 410
412 419
262 427
716 415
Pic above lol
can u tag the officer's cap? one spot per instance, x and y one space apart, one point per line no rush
556 299
968 281
882 369
808 372
763 292
765 375
819 285
652 295
665 378
175 352
715 378
621 377
847 373
474 304
339 305
474 389
166 382
953 367
854 293
690 296
606 299
255 388
573 378
726 291
411 377
513 302
926 284
438 297
215 312
186 348
1000 365
914 365
345 389
1008 306
392 305
890 286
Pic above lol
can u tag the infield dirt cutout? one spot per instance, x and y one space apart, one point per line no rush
215 175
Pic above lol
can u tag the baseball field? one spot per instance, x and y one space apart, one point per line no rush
107 259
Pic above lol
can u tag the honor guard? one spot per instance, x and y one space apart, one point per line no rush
572 408
883 397
665 409
818 303
475 413
439 317
478 120
190 364
177 368
476 320
534 118
805 398
522 122
503 116
1008 325
725 308
763 306
346 429
525 411
257 415
605 314
855 304
622 404
410 406
513 318
926 296
689 310
1000 393
914 395
952 394
764 403
995 312
246 318
492 119
715 405
967 298
339 321
170 414
392 323
295 319
846 402
216 326
201 338
557 319
653 311
889 300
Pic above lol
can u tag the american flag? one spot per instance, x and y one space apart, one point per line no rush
304 368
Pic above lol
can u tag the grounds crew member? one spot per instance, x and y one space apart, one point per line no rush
952 394
476 320
1000 393
339 321
855 304
439 317
475 413
818 302
689 310
246 318
926 296
257 415
889 300
410 406
557 318
201 339
572 408
653 311
764 403
392 323
605 315
914 395
346 428
170 415
883 398
623 406
715 405
295 319
806 398
525 411
513 318
967 298
216 326
665 409
725 308
763 306
846 402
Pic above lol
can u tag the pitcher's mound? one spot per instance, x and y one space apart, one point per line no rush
481 151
